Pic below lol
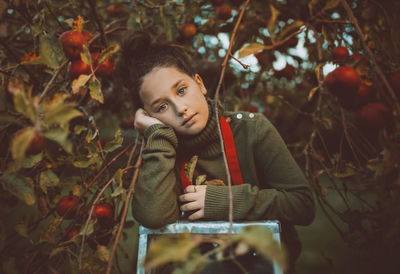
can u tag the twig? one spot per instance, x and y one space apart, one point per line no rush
46 89
54 16
237 60
346 134
394 101
333 21
88 220
98 21
224 64
16 59
126 207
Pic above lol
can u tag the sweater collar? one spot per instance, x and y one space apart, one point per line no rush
206 143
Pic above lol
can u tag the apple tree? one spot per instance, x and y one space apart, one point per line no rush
326 73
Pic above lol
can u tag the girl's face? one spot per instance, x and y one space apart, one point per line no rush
176 99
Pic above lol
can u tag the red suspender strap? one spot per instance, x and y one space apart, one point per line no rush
230 151
231 155
184 179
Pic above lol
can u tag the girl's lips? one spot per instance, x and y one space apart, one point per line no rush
189 121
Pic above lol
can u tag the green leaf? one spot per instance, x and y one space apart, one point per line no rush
90 229
261 239
78 129
133 22
201 179
31 161
312 92
85 56
22 229
60 136
62 115
111 50
21 104
50 50
331 4
88 162
20 143
48 179
118 177
293 27
167 249
114 144
95 90
169 25
271 26
311 5
118 191
190 166
104 253
80 82
250 49
48 234
194 264
20 186
8 118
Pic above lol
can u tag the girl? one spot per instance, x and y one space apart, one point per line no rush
178 121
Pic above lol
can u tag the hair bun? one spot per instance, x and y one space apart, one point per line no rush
136 43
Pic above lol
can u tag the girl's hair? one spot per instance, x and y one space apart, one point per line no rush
140 55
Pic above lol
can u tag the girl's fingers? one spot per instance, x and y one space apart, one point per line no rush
197 215
193 188
188 197
191 206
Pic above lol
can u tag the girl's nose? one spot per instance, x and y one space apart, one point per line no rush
181 108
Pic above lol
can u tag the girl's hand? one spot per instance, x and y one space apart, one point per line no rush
193 199
144 120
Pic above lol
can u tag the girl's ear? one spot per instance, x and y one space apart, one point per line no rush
199 81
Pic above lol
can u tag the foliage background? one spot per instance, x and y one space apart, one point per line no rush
88 122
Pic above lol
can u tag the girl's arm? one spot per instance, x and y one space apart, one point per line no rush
154 201
282 193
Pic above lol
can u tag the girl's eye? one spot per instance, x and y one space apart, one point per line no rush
162 107
181 91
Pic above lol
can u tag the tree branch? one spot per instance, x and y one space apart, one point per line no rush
371 56
216 97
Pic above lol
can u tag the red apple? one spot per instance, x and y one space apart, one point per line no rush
104 69
252 108
224 13
67 206
262 60
113 10
36 144
103 212
78 67
71 233
87 36
357 57
343 82
340 55
374 116
72 43
287 72
188 30
218 2
365 94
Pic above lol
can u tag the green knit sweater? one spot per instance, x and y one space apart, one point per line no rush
274 186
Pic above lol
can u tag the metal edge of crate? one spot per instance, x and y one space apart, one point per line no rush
203 227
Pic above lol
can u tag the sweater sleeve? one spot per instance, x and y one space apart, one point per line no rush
155 202
283 193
